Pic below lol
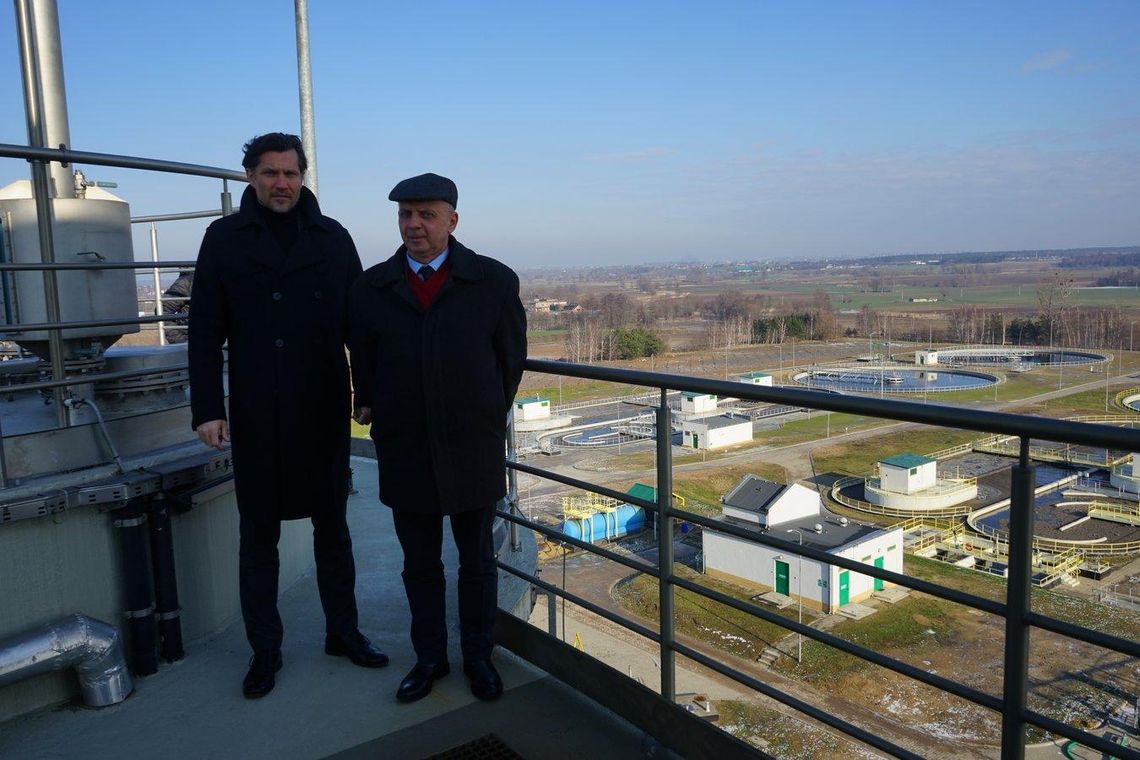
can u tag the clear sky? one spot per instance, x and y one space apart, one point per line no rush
597 132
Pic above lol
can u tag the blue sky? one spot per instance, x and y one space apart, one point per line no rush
624 132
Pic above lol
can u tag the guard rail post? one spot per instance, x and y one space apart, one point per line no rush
665 545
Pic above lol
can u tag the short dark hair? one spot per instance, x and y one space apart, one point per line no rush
278 142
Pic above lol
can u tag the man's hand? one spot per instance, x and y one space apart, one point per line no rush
363 415
213 433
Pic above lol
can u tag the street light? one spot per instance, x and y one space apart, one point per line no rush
800 595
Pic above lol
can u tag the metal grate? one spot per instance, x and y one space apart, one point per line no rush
489 747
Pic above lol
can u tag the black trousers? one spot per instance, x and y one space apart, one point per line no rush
421 537
258 570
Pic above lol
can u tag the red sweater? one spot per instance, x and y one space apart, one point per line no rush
427 291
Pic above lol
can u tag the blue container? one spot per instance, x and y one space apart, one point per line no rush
606 526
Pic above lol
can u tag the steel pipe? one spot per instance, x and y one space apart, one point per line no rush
92 647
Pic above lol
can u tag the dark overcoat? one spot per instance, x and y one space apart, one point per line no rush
440 380
285 317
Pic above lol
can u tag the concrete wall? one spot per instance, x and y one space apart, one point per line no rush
69 563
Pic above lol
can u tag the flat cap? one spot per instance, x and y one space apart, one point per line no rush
426 187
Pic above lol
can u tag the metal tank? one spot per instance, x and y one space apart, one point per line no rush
94 228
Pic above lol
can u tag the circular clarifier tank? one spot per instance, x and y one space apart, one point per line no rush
893 379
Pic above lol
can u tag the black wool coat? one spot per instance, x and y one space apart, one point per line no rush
285 317
439 381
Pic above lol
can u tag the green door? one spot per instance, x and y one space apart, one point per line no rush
879 582
781 577
696 441
844 587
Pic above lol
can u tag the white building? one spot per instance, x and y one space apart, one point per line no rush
532 408
764 503
1127 476
715 432
926 357
907 473
766 508
756 378
695 403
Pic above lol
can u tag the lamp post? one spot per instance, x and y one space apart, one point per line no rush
800 596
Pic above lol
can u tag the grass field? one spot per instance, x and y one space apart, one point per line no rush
858 458
930 633
724 627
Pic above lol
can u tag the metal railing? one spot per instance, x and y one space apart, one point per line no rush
42 156
1019 618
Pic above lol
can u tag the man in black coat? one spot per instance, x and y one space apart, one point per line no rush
272 280
438 345
176 302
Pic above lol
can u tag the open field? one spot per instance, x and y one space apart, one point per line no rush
1071 681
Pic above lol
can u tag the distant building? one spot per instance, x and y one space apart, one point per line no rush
926 357
911 482
923 300
540 305
715 432
907 473
764 503
695 403
532 408
795 514
756 378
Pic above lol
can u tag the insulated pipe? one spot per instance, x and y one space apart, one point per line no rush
91 646
165 581
305 92
43 87
137 578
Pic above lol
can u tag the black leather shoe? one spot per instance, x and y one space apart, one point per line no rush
263 667
357 648
417 684
485 681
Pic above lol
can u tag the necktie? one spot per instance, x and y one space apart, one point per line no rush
426 272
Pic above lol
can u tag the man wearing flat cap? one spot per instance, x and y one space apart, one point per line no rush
438 340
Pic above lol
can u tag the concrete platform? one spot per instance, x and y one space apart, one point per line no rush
892 594
324 706
856 611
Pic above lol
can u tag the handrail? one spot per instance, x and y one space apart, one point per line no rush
1012 702
68 156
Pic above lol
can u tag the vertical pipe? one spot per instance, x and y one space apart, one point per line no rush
513 480
166 605
1018 602
227 200
38 134
551 613
305 90
131 523
157 283
665 545
42 25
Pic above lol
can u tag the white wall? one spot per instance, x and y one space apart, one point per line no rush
729 435
888 544
703 403
756 564
794 503
535 410
899 479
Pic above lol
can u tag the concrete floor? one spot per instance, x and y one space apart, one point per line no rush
325 706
